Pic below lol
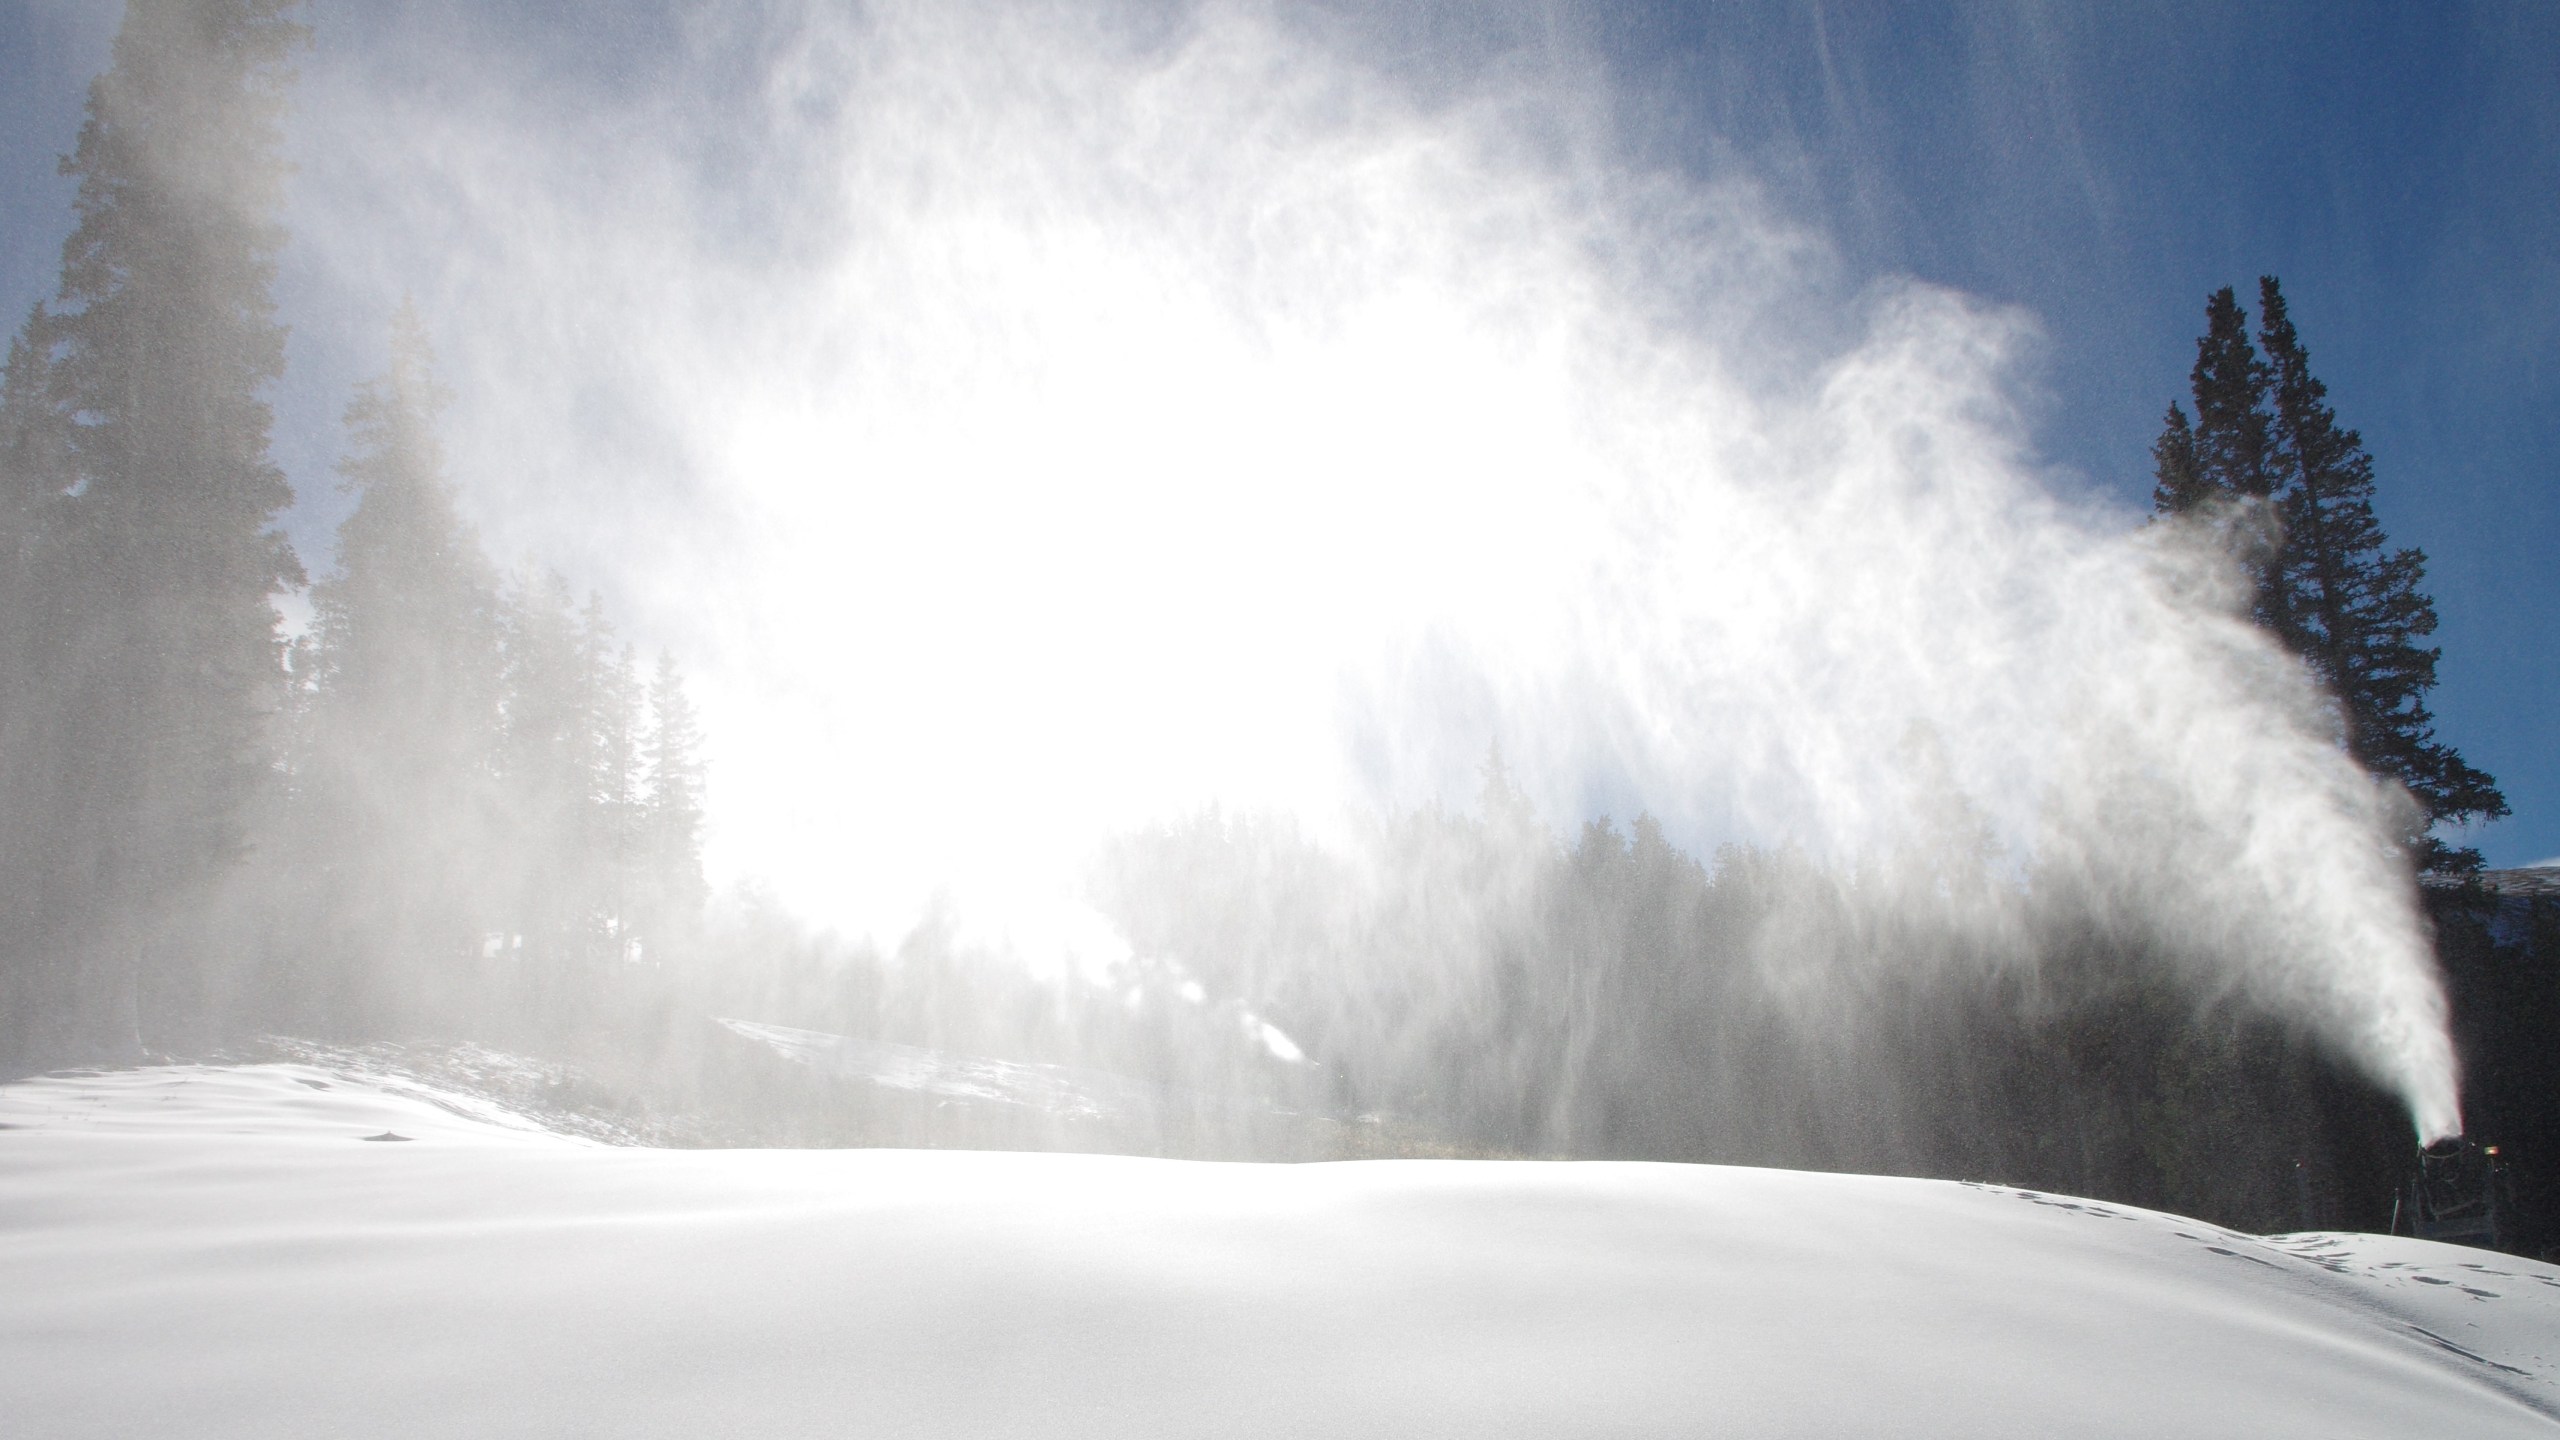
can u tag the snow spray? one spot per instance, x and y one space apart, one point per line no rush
1038 421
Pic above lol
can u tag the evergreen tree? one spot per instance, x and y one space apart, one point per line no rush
571 769
543 771
35 474
2267 462
2355 609
610 835
151 682
395 775
673 889
2221 469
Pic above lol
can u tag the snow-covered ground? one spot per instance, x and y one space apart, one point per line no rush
240 1250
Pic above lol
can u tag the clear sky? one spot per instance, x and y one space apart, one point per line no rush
2102 167
2107 166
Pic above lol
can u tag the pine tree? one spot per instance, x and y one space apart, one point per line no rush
395 775
673 889
153 680
570 772
610 835
35 474
2355 609
35 468
2267 464
542 772
2220 471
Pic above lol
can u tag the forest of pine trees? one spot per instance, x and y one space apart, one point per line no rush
452 796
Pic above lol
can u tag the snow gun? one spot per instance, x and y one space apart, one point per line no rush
2460 1195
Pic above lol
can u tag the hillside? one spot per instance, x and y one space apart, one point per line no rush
297 1250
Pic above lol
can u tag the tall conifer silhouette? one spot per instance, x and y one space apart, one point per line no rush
395 799
671 828
2356 609
2267 463
157 667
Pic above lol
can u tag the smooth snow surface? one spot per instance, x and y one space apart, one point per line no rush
215 1251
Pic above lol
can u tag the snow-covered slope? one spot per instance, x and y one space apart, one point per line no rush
215 1251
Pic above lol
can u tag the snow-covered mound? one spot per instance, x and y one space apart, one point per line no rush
213 1251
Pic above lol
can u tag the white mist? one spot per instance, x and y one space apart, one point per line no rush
1034 422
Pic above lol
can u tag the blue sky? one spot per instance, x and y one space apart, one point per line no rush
2107 166
2102 167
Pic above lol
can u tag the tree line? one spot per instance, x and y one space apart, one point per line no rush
214 827
1506 990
